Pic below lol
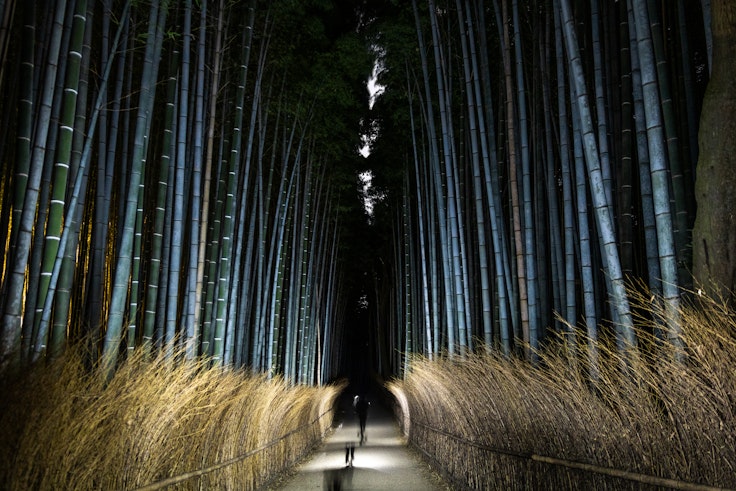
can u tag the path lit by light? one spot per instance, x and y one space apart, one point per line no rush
382 462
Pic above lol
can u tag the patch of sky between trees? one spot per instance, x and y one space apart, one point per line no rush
366 176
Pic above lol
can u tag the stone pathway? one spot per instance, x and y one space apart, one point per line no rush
384 461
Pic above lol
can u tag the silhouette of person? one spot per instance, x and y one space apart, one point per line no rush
349 454
361 404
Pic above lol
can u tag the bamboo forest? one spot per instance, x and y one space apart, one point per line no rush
513 220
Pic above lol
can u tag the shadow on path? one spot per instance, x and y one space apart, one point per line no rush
383 461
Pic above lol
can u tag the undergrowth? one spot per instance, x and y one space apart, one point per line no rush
490 422
62 427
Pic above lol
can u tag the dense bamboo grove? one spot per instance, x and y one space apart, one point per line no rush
549 151
175 174
186 174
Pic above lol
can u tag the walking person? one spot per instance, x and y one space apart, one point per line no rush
361 404
349 454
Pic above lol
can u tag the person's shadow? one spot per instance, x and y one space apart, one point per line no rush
341 478
338 479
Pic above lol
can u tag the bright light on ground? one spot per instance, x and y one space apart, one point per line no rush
381 462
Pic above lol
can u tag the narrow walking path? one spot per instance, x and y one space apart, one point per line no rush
383 461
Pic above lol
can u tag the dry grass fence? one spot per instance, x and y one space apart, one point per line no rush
488 422
61 427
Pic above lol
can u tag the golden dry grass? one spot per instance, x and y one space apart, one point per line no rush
660 417
62 428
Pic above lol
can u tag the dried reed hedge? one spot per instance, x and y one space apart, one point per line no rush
489 422
62 428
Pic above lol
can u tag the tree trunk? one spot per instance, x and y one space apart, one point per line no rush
714 235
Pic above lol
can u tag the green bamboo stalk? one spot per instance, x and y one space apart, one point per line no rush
15 279
619 300
513 183
193 291
645 177
65 318
159 219
567 180
427 295
71 220
199 310
157 22
530 269
591 316
551 185
228 224
282 220
499 234
25 117
439 200
456 326
679 218
626 198
659 170
98 271
480 225
177 180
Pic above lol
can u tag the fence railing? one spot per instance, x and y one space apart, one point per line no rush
169 481
570 464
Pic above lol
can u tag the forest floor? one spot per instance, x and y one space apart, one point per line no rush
383 461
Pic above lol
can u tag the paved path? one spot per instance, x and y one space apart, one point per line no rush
382 462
